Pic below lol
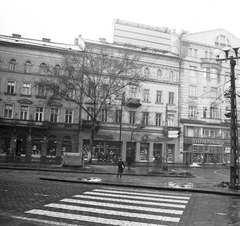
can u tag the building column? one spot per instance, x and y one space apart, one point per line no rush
59 151
137 157
150 155
28 156
124 150
44 150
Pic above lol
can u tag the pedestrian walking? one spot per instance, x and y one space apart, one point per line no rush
129 161
121 166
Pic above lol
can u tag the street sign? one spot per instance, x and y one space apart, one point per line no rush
173 133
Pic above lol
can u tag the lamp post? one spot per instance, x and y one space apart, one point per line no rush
234 160
165 155
120 129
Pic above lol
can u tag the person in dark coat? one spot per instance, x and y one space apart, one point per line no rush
121 166
129 161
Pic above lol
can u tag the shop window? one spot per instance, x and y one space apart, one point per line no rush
144 150
5 143
36 144
67 144
52 146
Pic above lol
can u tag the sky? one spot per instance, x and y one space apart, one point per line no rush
62 21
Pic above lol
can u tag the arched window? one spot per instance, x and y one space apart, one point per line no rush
57 69
27 67
71 70
12 65
159 74
146 72
43 68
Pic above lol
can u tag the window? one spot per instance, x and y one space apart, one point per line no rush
41 90
133 92
71 70
39 114
205 72
91 89
11 87
8 111
206 54
104 115
54 115
158 119
145 118
118 116
190 52
24 112
204 90
213 73
146 95
132 117
26 89
27 67
170 119
214 112
192 111
12 65
192 71
159 97
146 73
214 92
91 112
57 70
68 116
192 91
159 74
171 98
221 41
195 52
204 112
43 68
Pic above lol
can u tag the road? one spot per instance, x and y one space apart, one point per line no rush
27 201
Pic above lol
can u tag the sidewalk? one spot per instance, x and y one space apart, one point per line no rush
137 177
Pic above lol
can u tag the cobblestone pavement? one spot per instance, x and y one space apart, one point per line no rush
22 191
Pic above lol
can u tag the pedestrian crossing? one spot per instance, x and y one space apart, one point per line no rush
113 206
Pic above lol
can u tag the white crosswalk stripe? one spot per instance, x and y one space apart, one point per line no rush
113 206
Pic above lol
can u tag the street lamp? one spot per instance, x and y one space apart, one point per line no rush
234 161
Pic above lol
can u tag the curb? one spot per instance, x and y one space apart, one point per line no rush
144 187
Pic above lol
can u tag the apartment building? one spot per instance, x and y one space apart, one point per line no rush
28 124
146 112
204 99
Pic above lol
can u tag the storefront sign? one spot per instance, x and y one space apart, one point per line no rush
104 137
205 141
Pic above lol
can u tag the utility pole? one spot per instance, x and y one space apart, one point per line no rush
165 154
120 129
234 161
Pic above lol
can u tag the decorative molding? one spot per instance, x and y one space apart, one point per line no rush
24 101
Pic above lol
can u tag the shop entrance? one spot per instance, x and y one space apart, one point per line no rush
21 144
5 143
131 150
52 146
36 144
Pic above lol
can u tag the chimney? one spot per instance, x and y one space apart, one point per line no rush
46 39
16 36
102 40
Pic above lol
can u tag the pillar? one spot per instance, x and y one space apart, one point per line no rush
137 156
28 156
150 155
59 151
44 150
124 150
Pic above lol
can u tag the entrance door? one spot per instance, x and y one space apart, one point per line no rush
21 144
131 150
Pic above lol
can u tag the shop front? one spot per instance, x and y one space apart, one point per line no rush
205 151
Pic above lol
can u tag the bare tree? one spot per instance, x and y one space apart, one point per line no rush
93 79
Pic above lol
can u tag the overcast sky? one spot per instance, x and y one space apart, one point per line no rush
62 20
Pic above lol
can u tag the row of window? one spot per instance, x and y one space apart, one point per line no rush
26 90
28 65
171 76
207 132
214 113
39 113
69 116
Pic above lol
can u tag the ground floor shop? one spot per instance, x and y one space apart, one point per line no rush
44 144
206 151
145 147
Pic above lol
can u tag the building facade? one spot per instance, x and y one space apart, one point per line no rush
204 98
29 126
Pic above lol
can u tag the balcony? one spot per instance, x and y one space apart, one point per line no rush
87 124
211 63
24 123
133 103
